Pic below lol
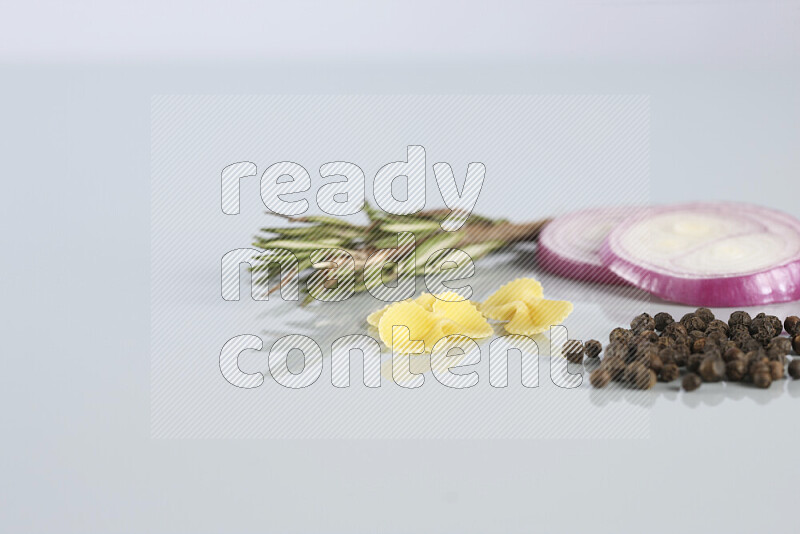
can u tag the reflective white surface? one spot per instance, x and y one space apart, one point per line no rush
76 450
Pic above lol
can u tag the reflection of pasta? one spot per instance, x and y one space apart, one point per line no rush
523 305
427 319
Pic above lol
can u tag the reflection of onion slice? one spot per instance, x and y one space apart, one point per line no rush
709 254
570 245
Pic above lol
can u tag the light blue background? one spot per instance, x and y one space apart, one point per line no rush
76 449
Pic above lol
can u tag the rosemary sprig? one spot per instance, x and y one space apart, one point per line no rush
478 237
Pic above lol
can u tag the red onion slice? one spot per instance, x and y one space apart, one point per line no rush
570 245
709 254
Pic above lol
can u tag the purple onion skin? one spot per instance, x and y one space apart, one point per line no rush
552 262
777 284
588 271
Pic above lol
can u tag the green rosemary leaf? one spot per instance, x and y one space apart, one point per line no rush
427 248
373 214
296 244
422 226
479 250
312 231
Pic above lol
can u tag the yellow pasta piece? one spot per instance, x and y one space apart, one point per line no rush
500 305
445 317
523 305
464 316
425 300
538 317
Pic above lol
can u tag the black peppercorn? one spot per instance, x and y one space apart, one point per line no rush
754 355
762 329
739 318
711 350
762 379
705 314
614 365
739 331
620 334
744 348
668 355
640 377
732 354
662 320
694 361
758 365
735 344
791 325
655 362
735 370
639 352
691 382
741 341
694 335
681 355
712 369
643 342
794 369
675 330
593 348
653 379
776 324
573 351
670 372
778 347
637 375
692 322
779 359
751 345
648 335
771 320
665 342
642 322
777 370
716 324
698 345
600 378
716 337
617 349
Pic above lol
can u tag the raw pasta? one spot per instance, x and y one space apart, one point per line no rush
425 300
523 305
445 316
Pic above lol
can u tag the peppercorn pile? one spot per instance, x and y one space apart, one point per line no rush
699 347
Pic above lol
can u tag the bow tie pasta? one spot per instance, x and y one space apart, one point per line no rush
428 320
523 305
425 300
